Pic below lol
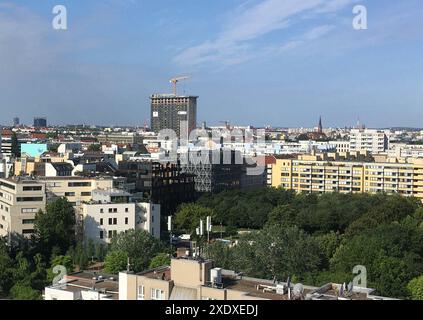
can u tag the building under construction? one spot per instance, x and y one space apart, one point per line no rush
173 111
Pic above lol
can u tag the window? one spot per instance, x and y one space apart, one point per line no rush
157 294
114 220
110 210
69 194
32 188
110 221
85 194
126 220
79 184
29 199
101 235
28 221
110 235
101 210
7 185
28 231
126 210
29 210
141 294
101 221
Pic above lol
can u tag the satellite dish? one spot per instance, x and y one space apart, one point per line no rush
298 289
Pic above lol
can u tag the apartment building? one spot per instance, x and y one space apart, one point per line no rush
112 211
76 189
197 279
371 140
341 146
349 173
20 200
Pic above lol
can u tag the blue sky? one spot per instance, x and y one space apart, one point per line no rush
258 62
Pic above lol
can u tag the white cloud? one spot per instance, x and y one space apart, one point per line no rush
251 22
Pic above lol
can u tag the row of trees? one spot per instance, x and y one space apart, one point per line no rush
319 238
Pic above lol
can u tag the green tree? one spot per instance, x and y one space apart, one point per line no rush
65 261
139 246
100 251
162 259
283 215
94 147
116 261
415 288
15 149
277 252
22 291
6 265
55 227
220 253
188 216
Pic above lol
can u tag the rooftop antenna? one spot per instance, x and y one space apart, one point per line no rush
128 266
169 228
208 227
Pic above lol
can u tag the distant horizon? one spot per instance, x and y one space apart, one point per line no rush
212 125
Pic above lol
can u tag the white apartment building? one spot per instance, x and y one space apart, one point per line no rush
112 212
341 146
371 140
20 200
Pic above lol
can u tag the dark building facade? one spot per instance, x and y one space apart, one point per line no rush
162 183
40 122
217 175
170 112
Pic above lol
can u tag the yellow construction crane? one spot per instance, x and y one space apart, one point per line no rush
174 81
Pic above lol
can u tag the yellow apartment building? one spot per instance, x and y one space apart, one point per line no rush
349 173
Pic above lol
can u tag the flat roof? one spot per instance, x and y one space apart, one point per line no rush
255 288
112 192
161 273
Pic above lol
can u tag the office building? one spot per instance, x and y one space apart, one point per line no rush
120 138
217 171
161 183
16 122
40 122
178 113
20 200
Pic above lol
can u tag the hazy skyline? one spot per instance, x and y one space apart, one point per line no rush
276 62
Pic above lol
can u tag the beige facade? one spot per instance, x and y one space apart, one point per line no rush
20 200
76 189
187 279
196 279
324 173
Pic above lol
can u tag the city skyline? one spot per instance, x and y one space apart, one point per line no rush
115 54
